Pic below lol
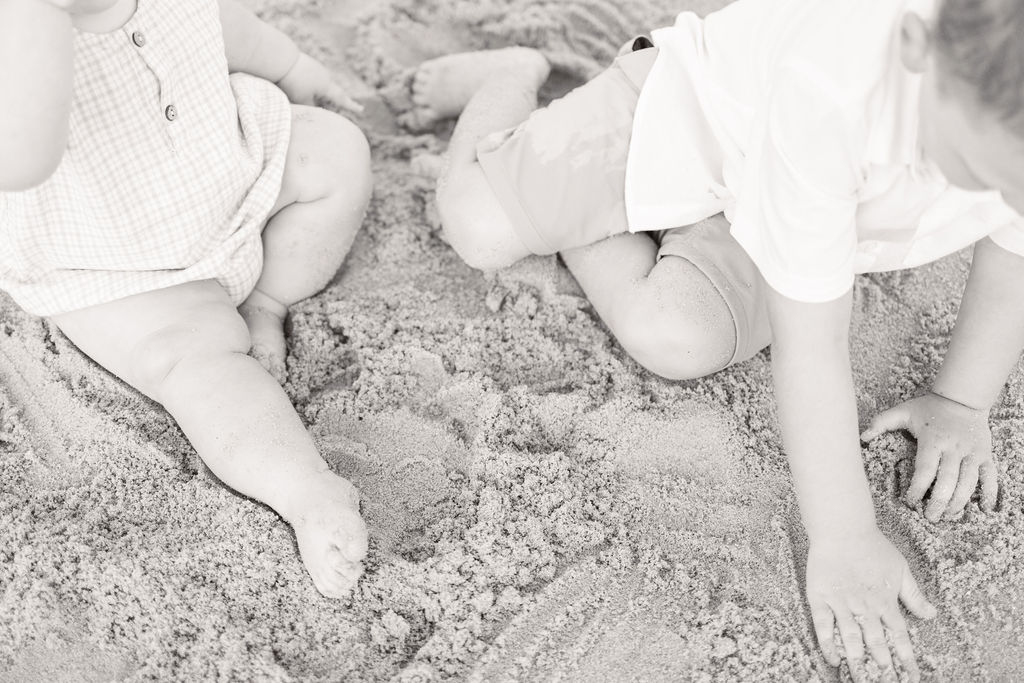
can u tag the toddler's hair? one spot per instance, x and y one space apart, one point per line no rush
981 44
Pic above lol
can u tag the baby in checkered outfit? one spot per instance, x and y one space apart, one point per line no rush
163 202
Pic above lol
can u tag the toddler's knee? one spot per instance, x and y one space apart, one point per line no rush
466 229
213 330
676 346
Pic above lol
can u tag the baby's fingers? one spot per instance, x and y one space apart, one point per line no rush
824 629
887 421
339 96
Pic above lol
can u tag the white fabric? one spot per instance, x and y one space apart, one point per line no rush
143 200
797 119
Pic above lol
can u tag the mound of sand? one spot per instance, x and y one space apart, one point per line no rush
540 507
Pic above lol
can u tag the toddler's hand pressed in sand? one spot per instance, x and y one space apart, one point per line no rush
855 583
954 451
310 82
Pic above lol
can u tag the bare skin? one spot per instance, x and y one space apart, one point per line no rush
443 87
665 313
322 202
670 318
187 346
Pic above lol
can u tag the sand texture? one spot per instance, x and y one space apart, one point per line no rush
540 507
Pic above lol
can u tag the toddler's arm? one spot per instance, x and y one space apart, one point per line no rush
954 445
855 576
36 52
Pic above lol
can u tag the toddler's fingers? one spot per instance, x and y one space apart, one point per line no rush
965 488
945 484
887 421
926 465
913 598
874 639
849 631
897 625
989 485
824 629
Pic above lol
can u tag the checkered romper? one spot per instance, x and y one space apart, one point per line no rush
171 169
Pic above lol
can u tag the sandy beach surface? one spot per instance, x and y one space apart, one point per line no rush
540 507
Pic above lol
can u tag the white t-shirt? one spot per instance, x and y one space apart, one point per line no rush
798 120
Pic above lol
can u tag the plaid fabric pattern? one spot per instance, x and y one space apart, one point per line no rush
171 169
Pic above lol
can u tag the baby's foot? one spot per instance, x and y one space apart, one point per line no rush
331 534
442 87
265 319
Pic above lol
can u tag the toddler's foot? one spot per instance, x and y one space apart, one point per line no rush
331 534
442 87
265 319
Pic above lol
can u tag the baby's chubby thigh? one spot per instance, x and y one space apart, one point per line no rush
143 338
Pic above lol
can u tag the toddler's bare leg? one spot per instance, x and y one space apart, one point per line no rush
494 90
186 347
324 193
666 314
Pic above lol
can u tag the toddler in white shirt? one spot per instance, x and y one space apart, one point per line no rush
718 192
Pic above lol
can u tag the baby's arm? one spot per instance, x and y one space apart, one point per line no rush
254 46
855 576
954 445
36 52
257 48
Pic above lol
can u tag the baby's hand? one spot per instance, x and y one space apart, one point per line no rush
855 584
954 450
309 82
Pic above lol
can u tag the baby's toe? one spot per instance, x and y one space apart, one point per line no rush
347 575
356 545
351 550
332 585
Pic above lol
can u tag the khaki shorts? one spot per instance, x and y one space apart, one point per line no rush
560 176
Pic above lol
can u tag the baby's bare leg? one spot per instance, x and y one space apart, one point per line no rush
186 347
666 314
324 193
493 90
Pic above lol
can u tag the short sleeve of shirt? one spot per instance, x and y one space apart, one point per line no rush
796 205
1010 237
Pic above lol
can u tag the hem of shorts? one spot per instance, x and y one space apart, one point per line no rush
654 218
732 300
505 190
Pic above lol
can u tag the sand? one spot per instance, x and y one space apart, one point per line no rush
540 507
